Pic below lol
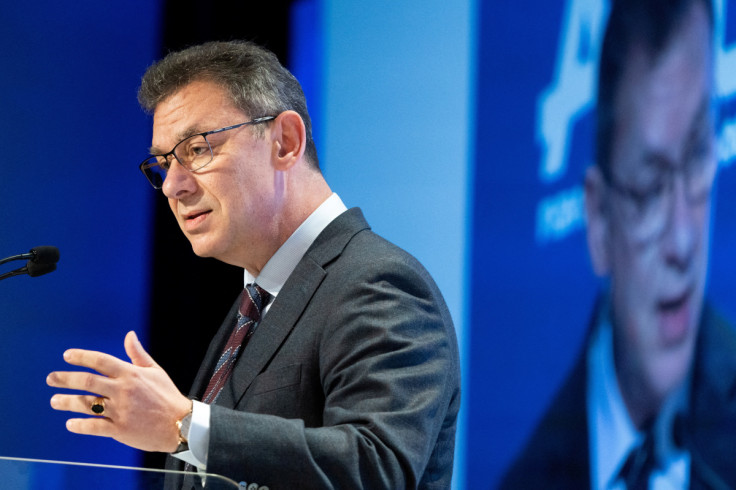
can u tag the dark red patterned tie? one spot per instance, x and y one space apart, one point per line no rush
254 298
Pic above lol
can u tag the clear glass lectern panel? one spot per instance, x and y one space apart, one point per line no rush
37 474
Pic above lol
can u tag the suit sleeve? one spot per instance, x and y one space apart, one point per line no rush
388 368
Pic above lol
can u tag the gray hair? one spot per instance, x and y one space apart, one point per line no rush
253 76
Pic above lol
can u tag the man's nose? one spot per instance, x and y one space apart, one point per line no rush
681 232
179 181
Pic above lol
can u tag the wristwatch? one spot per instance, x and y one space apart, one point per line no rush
183 425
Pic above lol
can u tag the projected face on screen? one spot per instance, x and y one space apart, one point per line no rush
650 228
643 362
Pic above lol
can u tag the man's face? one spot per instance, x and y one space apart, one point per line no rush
657 209
227 209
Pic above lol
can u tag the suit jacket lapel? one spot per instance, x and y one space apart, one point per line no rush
272 331
290 304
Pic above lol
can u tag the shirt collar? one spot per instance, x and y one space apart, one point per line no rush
612 432
279 267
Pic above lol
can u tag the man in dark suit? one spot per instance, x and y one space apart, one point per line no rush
340 369
651 401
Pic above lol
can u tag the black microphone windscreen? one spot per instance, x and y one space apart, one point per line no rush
45 255
38 269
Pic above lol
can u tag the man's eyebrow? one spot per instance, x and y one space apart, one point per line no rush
181 136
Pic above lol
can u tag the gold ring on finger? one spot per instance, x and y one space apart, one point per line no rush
98 406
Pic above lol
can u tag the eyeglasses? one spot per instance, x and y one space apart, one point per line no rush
193 153
647 202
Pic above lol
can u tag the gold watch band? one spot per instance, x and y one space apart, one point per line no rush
183 425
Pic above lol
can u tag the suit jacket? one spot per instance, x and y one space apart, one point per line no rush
557 454
350 381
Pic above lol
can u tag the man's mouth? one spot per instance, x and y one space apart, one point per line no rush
195 215
674 318
193 220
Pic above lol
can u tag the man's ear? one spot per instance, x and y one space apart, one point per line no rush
289 137
598 222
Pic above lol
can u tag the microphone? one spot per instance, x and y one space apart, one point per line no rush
45 254
41 260
699 468
37 269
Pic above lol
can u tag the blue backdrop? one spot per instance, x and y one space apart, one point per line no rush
71 134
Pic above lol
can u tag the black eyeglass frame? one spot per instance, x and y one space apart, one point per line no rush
145 165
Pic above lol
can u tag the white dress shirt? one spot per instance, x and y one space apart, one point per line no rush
613 434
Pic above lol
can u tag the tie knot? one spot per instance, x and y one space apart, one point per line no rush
254 299
640 463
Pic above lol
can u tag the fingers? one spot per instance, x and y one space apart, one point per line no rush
76 380
137 354
94 426
108 365
99 361
79 404
141 402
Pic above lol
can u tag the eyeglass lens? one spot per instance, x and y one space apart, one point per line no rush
647 211
192 153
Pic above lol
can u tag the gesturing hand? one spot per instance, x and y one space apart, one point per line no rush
141 402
